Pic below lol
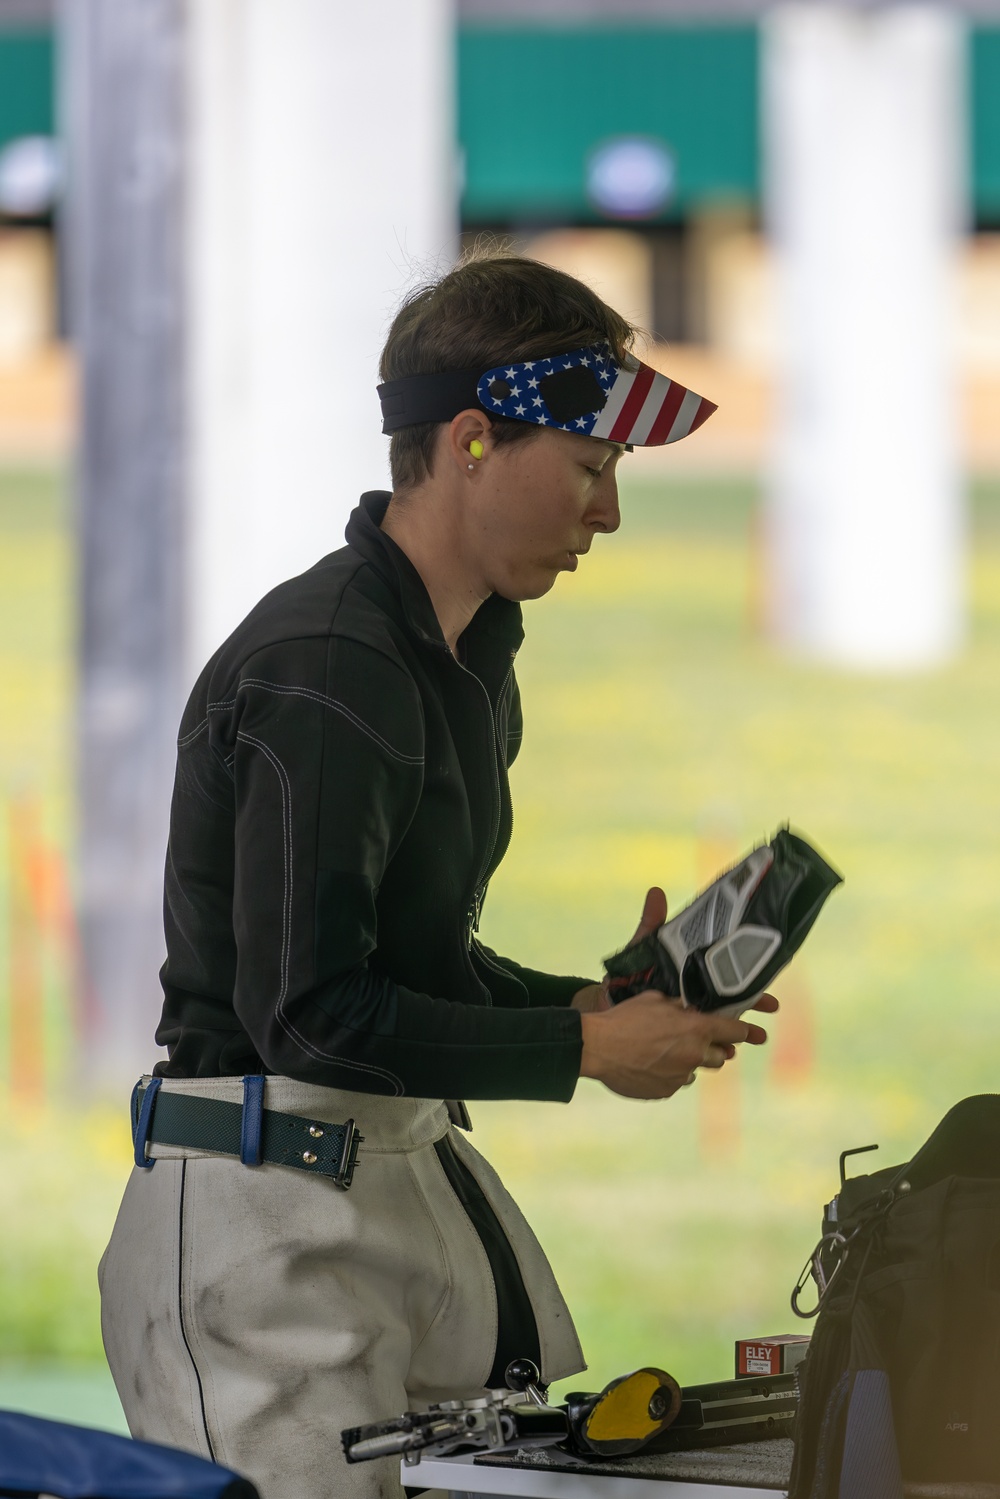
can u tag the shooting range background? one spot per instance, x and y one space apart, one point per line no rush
664 733
663 736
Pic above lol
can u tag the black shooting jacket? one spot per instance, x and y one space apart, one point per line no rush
341 801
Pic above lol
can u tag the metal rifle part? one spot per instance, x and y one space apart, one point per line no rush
625 1417
519 1416
489 1424
731 1410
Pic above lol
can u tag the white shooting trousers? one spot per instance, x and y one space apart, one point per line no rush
251 1312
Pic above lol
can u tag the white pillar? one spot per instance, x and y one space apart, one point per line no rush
122 112
321 184
864 163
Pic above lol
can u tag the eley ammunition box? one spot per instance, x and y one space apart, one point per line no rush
778 1355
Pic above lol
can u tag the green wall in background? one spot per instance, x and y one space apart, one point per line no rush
533 102
984 121
27 84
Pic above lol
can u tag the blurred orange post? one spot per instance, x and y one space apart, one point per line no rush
720 1114
26 1019
793 1038
55 915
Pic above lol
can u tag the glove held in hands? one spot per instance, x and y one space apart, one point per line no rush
722 950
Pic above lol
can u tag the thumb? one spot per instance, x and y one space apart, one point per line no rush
654 913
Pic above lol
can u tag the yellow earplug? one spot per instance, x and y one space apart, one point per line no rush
476 448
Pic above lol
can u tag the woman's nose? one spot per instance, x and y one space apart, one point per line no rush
606 515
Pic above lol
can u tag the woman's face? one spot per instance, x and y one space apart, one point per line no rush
536 506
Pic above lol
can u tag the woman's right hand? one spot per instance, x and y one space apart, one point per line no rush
649 1046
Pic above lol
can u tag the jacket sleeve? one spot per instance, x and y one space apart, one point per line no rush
328 773
544 989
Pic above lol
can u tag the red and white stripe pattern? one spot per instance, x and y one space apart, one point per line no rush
648 409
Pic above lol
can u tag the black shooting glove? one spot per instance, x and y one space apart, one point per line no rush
721 952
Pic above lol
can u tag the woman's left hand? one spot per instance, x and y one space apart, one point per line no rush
654 914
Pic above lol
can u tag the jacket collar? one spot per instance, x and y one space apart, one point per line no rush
497 621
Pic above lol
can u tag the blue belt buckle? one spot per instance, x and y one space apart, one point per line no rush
144 1122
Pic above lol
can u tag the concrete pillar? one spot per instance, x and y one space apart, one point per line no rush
321 183
864 165
253 184
123 100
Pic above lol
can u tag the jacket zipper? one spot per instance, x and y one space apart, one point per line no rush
475 903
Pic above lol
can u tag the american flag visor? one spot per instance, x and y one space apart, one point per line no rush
586 391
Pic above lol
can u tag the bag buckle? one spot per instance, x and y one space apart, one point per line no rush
813 1267
841 1243
348 1155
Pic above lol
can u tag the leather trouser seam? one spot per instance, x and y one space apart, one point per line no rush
180 1314
445 1265
437 1166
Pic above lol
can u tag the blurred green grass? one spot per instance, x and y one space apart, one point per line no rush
662 734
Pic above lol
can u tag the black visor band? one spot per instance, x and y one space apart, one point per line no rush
567 394
428 398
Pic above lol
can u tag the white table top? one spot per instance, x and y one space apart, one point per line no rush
458 1475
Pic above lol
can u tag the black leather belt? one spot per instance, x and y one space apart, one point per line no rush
248 1131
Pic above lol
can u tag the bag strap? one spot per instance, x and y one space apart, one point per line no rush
869 1465
870 1468
965 1143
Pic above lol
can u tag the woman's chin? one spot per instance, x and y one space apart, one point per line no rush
527 584
537 588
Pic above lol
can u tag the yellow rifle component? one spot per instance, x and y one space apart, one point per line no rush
622 1413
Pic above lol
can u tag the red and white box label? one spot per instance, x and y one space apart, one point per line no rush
777 1355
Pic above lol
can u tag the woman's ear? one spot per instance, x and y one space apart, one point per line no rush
469 440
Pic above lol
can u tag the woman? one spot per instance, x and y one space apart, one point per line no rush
340 805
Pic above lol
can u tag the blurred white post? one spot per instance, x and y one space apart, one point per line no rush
321 183
864 165
122 73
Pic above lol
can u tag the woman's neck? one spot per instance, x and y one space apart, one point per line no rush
425 526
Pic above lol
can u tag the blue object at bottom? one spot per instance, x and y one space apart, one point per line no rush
73 1462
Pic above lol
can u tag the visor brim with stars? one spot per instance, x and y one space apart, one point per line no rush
586 391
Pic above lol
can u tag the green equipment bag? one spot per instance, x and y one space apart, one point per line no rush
902 1378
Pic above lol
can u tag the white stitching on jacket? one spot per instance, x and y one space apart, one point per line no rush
286 920
189 738
329 702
